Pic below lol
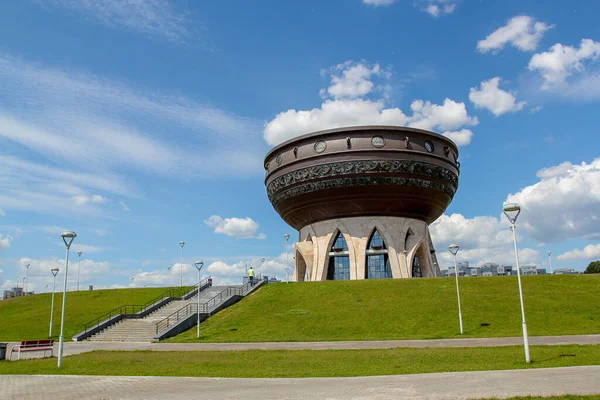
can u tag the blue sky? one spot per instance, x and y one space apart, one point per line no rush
141 124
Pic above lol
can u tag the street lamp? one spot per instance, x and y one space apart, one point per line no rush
454 249
550 259
79 253
182 243
287 267
26 277
198 265
54 272
169 268
512 211
68 238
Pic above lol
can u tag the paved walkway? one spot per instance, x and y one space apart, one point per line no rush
82 347
449 385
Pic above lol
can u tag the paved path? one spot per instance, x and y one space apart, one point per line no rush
449 385
81 347
71 348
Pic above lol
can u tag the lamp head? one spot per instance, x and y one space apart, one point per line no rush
54 271
182 243
27 265
286 236
512 211
262 260
68 237
453 249
169 268
199 264
79 253
549 253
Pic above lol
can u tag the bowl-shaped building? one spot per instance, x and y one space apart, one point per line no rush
362 199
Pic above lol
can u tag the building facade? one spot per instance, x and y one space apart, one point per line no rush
362 199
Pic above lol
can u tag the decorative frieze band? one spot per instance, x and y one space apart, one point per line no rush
364 167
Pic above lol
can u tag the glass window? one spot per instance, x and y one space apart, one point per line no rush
416 268
378 263
339 260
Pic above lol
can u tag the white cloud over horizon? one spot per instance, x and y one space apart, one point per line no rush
570 194
347 104
522 32
590 252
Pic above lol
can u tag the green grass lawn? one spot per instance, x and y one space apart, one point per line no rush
29 317
407 309
306 363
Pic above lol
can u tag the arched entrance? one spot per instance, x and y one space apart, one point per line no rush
339 260
378 262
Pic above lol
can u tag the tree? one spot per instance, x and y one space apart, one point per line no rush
593 268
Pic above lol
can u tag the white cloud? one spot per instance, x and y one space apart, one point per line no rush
236 227
124 206
564 204
436 8
154 17
377 3
494 99
349 105
481 239
561 61
352 80
522 32
461 138
76 121
589 252
82 199
85 248
5 241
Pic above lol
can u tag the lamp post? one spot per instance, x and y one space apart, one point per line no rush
512 211
26 277
68 238
550 260
54 272
79 253
169 268
198 265
287 267
454 249
182 243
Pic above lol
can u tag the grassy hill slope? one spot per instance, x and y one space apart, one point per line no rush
407 309
29 317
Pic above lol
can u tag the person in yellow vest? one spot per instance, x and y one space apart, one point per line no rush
251 276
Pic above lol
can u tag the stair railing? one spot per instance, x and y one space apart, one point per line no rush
131 311
209 306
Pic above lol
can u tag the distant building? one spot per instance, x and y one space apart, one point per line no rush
14 292
565 271
541 271
529 270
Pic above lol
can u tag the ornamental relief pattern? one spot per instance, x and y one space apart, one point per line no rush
361 181
360 167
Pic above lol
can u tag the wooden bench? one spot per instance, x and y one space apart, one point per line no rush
33 345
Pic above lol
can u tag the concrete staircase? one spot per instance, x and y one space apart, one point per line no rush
144 329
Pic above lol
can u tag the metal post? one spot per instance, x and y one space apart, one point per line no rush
26 277
525 335
169 268
182 243
79 253
54 272
65 236
550 259
198 265
454 249
458 295
287 264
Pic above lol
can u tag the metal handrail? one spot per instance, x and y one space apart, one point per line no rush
130 311
208 306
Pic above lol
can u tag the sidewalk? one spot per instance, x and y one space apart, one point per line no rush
71 348
448 385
